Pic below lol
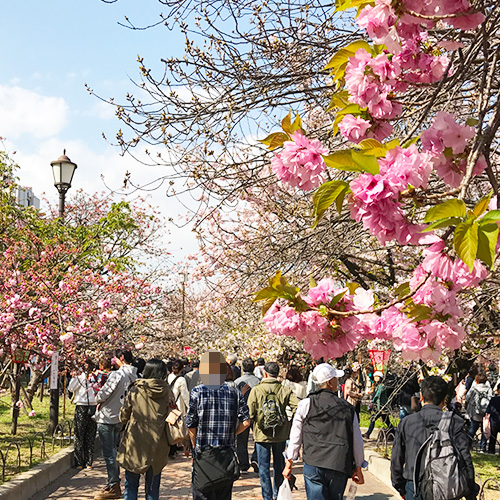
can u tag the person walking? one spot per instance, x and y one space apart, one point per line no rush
415 429
294 380
493 411
232 359
193 377
144 447
477 400
379 400
245 384
179 386
259 368
328 429
110 399
85 426
353 392
267 405
212 420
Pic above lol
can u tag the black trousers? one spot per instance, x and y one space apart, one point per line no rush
85 433
242 450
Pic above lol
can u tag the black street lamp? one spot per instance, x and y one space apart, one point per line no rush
63 169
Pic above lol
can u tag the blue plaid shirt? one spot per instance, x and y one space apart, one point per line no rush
213 412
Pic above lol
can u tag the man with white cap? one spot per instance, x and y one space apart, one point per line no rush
328 429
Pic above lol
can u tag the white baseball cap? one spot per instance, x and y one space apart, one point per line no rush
325 372
378 374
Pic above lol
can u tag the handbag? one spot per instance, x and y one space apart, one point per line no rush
215 468
175 427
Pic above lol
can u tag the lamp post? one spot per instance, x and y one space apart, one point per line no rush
62 169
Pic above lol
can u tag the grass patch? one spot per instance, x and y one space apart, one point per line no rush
19 453
487 466
364 419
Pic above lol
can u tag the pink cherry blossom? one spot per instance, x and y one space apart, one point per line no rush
300 163
354 128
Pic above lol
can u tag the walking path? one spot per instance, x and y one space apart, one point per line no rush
176 477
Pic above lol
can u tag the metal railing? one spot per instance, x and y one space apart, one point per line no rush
13 459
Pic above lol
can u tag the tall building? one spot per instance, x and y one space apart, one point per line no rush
27 198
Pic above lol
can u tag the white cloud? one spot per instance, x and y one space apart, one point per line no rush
97 172
24 112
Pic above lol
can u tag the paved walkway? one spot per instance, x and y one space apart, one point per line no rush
175 482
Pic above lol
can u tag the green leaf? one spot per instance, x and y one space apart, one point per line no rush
449 221
367 162
419 312
491 216
342 160
472 122
336 299
297 123
343 55
325 195
275 140
352 161
402 290
339 100
411 141
266 293
450 208
267 305
286 124
373 147
466 242
487 236
352 287
481 207
312 282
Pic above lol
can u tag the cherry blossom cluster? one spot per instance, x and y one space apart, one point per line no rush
447 141
375 199
50 305
300 163
411 57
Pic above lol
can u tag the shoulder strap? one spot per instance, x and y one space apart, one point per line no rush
174 381
445 422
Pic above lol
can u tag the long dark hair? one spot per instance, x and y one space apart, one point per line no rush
155 368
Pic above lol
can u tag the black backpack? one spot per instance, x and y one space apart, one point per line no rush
272 414
440 470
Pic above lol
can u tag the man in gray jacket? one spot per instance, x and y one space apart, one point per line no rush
110 400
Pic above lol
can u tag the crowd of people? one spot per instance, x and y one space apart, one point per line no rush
126 402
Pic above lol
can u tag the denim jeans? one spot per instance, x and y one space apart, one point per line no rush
474 426
385 418
109 435
410 491
270 492
151 486
324 484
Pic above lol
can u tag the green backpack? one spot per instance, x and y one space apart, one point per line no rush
272 414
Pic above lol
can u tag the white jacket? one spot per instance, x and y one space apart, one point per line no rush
82 389
112 394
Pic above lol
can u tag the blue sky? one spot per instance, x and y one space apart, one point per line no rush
50 50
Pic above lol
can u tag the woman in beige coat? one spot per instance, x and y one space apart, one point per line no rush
144 447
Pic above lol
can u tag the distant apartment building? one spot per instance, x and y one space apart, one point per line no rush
27 198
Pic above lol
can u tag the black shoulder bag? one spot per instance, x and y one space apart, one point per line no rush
215 468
